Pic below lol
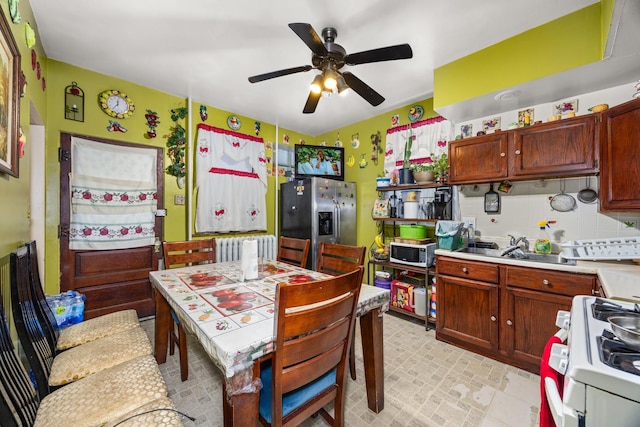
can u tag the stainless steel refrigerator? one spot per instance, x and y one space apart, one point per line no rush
320 209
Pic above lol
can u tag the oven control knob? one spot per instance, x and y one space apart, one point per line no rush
559 358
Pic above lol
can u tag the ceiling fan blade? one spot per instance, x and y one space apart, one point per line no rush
309 37
361 88
390 53
312 103
279 73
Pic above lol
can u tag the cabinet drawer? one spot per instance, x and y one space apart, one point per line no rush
467 269
550 281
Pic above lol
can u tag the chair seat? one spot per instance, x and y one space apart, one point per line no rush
107 395
157 414
98 327
293 399
95 356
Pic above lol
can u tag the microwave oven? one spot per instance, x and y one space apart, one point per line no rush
417 255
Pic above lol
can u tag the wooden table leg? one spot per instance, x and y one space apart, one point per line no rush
372 342
163 323
241 409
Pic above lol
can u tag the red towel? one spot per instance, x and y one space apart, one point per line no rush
546 419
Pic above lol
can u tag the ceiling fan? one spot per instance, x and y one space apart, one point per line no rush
329 57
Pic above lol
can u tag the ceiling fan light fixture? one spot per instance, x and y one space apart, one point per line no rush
342 86
316 84
330 79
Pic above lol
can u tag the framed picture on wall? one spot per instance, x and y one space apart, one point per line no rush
9 99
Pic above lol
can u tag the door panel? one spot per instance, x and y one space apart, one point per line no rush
111 280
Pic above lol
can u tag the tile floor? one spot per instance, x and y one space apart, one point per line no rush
427 384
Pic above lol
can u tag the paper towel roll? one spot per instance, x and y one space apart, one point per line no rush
249 261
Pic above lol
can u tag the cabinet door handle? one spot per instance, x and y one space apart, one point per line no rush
509 322
493 318
464 270
546 282
517 151
503 154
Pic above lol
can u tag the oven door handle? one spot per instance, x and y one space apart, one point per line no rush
553 400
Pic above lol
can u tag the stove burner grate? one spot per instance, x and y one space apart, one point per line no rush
616 354
603 309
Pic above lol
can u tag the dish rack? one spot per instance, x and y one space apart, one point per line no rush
595 249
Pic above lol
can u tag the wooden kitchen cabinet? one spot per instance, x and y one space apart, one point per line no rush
620 158
479 159
528 309
467 303
546 150
503 311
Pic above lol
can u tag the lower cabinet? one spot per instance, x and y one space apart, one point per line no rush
503 311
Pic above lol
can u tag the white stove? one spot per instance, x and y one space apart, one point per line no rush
601 374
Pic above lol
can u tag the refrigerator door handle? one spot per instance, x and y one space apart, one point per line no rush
336 221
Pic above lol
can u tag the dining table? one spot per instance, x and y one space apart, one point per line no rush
233 319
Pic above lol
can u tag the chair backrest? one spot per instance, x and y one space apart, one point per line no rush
189 252
18 399
314 322
294 251
39 352
43 311
336 259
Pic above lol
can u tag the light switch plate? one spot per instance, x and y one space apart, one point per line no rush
178 199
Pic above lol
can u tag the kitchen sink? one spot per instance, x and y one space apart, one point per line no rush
524 256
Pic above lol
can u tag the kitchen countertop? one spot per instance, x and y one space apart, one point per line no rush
619 279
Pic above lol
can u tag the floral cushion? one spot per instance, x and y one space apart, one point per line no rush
95 356
157 414
98 327
107 395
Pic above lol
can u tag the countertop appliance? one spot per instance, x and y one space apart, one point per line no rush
416 255
319 209
601 373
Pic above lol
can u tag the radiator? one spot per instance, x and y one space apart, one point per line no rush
230 248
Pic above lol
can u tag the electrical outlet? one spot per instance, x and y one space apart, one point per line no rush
178 199
628 223
469 221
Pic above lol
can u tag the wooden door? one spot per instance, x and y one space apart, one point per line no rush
111 280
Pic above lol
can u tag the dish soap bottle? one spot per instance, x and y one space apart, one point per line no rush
543 243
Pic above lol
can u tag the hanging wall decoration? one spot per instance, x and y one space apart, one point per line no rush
13 11
204 115
376 141
74 102
256 128
116 127
9 76
30 35
176 143
152 123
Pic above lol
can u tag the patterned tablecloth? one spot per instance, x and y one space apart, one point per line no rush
234 320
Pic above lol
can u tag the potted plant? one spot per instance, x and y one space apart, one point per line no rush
435 168
423 172
440 166
405 173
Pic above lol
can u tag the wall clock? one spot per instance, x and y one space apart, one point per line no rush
116 104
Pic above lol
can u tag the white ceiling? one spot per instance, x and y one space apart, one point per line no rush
206 49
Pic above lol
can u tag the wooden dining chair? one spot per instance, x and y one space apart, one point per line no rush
314 329
79 333
180 254
334 259
112 395
52 369
293 251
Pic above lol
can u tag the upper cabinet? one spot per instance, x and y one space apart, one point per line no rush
546 150
620 158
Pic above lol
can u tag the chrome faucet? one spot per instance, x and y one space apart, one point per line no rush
514 250
516 241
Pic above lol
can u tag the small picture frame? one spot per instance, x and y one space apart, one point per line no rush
466 130
565 107
491 125
522 114
10 106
